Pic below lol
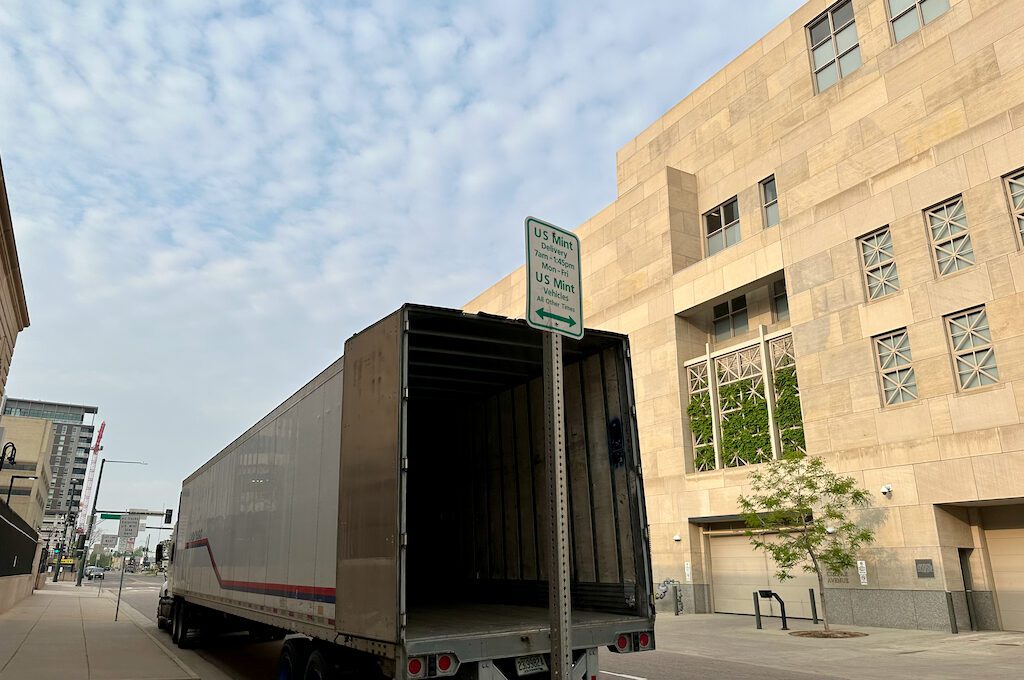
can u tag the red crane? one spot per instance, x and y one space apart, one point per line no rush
83 503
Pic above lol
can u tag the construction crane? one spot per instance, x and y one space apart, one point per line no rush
83 503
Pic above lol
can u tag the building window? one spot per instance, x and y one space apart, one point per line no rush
731 318
907 16
835 52
950 240
880 273
780 303
899 385
1015 187
723 226
770 202
972 348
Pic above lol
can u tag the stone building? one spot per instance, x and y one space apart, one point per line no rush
13 307
820 249
34 438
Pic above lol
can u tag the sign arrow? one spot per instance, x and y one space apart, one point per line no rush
548 315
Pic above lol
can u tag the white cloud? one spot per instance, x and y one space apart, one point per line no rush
209 199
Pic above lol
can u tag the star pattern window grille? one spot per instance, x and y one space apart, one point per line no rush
950 240
879 264
697 375
1015 185
781 351
899 384
974 356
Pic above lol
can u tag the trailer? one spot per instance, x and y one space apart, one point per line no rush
391 516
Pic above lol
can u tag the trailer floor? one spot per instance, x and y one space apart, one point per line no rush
467 620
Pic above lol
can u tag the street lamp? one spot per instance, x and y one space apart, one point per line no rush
92 515
11 485
10 451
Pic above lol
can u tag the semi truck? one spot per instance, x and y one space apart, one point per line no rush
391 516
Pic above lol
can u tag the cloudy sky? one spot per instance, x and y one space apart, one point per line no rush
209 197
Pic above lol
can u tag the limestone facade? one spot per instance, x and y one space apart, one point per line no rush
34 438
13 307
895 164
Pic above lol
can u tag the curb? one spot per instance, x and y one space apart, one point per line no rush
142 623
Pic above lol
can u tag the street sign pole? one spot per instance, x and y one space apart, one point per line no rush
559 597
554 304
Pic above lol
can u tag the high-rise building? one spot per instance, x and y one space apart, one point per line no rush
821 250
72 427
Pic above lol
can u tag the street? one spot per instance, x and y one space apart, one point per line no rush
234 657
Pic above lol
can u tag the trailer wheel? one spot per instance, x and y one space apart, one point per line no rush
182 624
176 622
319 667
292 662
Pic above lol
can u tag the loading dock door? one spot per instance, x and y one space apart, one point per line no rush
737 570
1004 533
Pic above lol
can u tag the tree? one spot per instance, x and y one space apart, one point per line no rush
808 510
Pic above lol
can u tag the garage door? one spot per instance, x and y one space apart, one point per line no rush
1004 533
737 570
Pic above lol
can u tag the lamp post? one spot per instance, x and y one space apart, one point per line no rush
92 514
10 452
10 486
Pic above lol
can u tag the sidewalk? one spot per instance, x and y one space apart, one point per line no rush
68 633
884 654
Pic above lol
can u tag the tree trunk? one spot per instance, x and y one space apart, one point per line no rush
821 590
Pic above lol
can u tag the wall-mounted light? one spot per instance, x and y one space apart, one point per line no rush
677 538
886 490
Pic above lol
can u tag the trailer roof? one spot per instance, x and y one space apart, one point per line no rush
455 353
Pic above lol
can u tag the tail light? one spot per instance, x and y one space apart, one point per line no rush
633 642
432 666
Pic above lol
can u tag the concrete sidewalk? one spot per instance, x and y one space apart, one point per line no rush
68 633
884 654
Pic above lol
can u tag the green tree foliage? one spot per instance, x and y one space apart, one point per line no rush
800 513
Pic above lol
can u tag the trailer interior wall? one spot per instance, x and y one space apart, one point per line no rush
477 504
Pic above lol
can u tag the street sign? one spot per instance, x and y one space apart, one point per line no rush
109 541
110 515
129 526
554 291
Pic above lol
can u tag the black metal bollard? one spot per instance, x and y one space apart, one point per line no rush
757 611
814 606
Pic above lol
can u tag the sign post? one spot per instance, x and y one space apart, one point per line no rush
554 304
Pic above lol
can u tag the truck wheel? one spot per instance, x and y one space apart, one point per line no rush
183 622
176 622
292 662
317 668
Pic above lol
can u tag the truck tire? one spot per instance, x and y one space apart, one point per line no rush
183 623
318 667
176 621
291 664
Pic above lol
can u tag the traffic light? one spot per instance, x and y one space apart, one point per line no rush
167 516
56 551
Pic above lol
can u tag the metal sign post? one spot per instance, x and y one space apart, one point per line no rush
554 303
559 598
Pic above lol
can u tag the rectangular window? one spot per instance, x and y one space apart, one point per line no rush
1015 188
780 303
770 202
835 49
947 224
899 385
63 429
880 273
906 16
723 226
730 318
973 355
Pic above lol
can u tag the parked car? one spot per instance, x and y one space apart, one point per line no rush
93 572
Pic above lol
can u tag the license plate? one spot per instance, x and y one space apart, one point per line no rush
528 665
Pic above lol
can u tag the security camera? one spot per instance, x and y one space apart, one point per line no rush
886 490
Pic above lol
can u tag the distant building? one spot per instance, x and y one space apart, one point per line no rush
34 440
13 307
72 427
821 250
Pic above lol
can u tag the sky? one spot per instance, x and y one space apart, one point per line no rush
210 197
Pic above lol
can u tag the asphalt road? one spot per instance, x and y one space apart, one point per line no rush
234 657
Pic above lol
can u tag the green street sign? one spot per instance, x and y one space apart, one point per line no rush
110 515
554 296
